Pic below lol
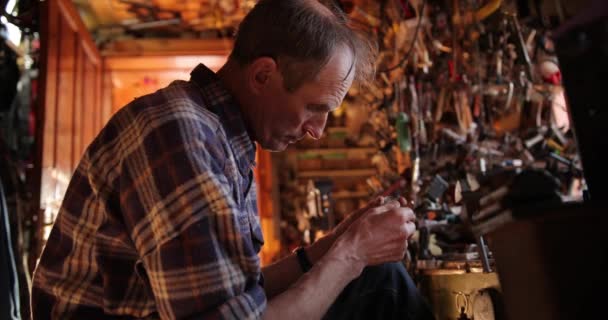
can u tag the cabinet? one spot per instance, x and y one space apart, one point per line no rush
73 104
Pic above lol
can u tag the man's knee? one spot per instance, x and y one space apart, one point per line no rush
391 276
383 291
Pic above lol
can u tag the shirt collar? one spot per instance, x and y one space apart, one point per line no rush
219 101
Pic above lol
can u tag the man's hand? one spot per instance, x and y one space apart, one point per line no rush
373 235
376 234
352 217
282 274
355 215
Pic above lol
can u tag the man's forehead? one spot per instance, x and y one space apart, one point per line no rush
340 67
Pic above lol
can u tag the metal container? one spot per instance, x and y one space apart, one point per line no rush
450 289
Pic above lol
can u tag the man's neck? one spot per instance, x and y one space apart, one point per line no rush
231 77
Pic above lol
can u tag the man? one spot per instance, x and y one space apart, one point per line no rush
160 221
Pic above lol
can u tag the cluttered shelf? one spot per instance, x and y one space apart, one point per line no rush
473 120
350 195
336 173
324 151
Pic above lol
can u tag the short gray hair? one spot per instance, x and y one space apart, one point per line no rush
301 37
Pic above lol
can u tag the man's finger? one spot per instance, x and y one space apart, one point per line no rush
410 228
404 202
386 207
410 216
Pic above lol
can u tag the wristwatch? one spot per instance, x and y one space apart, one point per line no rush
303 259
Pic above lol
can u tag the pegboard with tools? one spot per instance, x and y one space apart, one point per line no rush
467 116
465 89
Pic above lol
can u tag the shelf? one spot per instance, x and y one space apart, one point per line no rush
334 150
350 195
336 173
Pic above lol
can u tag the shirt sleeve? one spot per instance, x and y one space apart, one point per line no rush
178 206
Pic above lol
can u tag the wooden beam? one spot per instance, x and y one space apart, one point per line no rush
168 47
107 12
73 19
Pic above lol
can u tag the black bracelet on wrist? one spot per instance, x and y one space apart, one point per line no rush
303 260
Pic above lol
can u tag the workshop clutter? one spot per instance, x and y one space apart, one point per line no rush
467 119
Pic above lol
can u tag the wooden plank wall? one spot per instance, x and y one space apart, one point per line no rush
268 206
71 110
131 77
80 90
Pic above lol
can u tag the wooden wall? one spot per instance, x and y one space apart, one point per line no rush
81 89
73 106
268 206
131 77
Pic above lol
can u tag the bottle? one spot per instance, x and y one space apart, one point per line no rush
404 139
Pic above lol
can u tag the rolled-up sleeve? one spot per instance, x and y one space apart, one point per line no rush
193 239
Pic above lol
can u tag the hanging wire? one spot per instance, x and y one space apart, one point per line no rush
411 49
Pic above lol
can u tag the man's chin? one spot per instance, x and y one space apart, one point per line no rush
275 146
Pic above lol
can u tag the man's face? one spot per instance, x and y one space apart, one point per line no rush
282 118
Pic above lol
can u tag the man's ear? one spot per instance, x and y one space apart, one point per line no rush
260 73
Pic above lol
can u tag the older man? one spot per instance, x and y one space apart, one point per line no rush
160 220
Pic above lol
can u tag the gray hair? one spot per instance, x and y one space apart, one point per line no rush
301 35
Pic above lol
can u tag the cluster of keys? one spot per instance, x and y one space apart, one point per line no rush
469 116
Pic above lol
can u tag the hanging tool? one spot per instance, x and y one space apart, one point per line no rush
407 56
476 16
522 47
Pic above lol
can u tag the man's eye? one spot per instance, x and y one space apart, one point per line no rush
318 108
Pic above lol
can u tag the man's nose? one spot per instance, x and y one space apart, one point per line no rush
314 127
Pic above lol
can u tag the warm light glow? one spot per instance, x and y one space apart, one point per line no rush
14 34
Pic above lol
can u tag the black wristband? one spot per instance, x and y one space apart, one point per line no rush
303 260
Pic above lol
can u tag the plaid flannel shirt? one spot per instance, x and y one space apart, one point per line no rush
160 217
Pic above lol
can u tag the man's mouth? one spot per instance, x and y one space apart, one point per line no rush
291 139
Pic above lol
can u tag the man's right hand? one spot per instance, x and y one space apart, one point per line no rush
378 235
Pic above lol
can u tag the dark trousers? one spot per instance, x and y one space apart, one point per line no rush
381 292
